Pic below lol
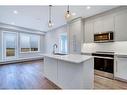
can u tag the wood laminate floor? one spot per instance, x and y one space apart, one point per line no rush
106 83
29 75
26 75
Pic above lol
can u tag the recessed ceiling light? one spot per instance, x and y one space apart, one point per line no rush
88 7
73 14
15 12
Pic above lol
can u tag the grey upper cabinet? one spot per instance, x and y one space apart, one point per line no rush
98 25
115 21
75 36
121 26
108 23
104 24
88 32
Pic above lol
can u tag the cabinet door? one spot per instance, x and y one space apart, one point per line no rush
50 69
108 23
75 37
121 68
69 75
104 24
88 32
98 25
121 27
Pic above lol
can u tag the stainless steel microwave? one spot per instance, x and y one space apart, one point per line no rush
104 37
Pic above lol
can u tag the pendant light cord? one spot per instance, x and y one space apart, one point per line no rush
68 8
50 12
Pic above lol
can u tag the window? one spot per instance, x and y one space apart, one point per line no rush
63 43
9 44
29 43
34 43
25 43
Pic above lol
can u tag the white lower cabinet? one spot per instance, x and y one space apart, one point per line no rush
69 75
50 69
120 70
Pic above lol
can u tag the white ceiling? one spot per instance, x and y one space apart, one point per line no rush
36 17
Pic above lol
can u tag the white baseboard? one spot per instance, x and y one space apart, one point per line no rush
21 59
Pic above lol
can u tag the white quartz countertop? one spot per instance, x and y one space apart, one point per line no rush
75 58
121 54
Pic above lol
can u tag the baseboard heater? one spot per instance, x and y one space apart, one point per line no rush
20 60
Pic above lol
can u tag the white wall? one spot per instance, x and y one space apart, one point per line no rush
118 47
52 37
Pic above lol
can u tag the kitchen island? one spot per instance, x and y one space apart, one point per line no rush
71 71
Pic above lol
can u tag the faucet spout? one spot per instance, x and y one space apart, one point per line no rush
54 48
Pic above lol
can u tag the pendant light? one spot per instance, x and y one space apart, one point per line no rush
68 13
50 24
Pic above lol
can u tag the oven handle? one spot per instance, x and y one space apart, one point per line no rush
103 57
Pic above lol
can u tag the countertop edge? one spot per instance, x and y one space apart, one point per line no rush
62 59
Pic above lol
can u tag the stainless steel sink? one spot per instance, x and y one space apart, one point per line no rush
60 54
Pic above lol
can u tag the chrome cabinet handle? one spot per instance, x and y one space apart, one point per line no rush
122 56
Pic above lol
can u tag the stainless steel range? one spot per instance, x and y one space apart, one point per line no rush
104 64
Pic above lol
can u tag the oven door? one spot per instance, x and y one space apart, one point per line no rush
104 67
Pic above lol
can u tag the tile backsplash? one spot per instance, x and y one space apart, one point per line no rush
118 47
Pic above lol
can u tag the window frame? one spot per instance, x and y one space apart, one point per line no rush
63 34
4 57
29 43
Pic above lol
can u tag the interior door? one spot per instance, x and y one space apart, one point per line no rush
9 45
